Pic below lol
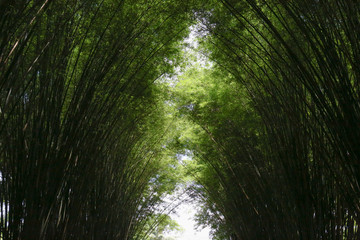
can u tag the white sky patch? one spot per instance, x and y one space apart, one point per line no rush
184 216
193 53
192 48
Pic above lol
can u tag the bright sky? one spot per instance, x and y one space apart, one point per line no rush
185 217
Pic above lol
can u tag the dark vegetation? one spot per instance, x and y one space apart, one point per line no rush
81 127
86 134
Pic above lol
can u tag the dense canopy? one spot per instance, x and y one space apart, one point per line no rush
100 99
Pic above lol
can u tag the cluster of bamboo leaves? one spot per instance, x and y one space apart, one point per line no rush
277 136
82 127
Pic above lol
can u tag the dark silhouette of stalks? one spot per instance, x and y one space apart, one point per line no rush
299 63
75 93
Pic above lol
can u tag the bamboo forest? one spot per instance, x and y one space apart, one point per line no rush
115 113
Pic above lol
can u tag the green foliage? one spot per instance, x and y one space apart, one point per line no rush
222 117
90 127
82 124
292 162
